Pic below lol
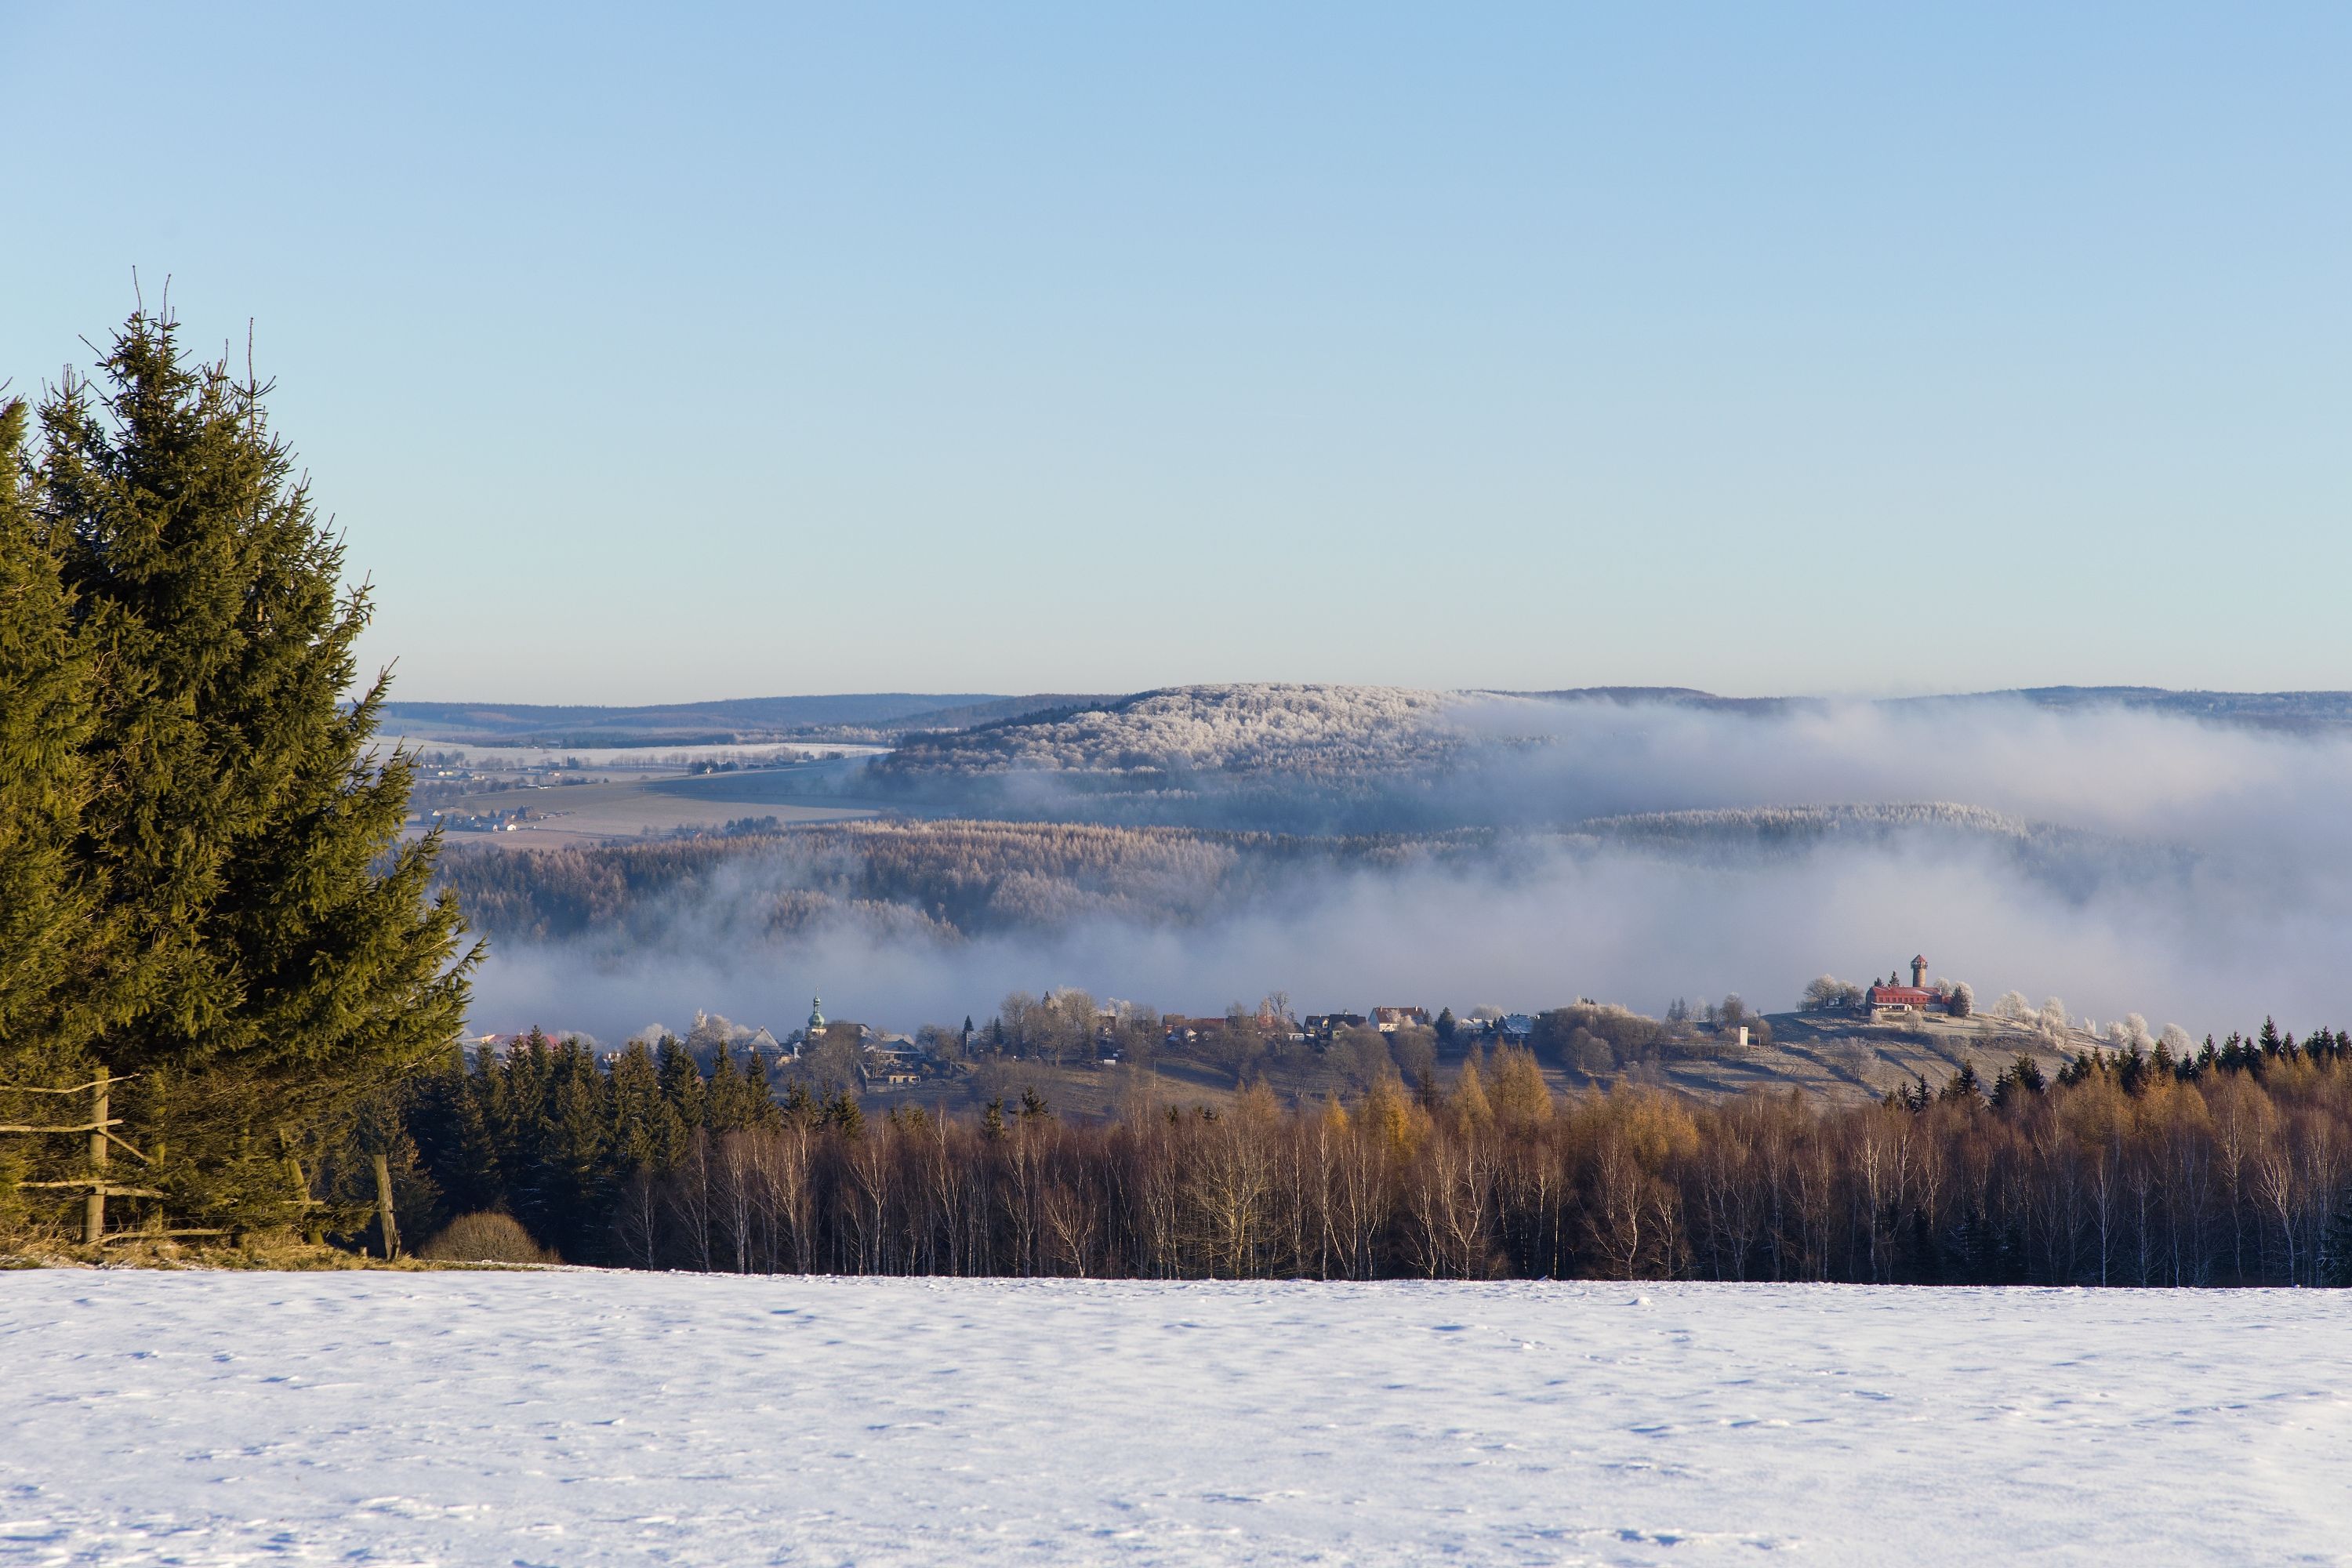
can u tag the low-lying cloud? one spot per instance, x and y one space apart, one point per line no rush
2237 900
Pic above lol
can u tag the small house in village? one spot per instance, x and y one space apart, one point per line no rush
892 1061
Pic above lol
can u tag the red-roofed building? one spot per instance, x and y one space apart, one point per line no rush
1913 998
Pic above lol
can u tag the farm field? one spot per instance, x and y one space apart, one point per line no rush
586 1417
629 808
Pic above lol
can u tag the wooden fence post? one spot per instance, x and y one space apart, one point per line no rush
391 1226
94 1207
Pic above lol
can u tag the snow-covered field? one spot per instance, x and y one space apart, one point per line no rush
580 1417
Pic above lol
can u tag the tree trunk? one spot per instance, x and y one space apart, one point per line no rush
384 1216
93 1219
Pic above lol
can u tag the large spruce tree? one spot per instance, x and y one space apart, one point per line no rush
50 990
280 960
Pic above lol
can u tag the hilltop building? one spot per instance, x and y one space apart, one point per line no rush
1910 1001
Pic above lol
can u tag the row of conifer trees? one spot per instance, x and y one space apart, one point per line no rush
202 891
2114 1174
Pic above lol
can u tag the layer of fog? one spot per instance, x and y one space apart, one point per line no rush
2106 769
1213 758
2253 919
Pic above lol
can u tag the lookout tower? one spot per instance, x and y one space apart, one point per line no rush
1920 973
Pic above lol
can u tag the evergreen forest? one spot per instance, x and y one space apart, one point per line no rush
2233 1167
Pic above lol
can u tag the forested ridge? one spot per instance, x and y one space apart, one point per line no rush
967 877
1307 730
975 876
2233 1167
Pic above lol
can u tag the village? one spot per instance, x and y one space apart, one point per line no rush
1841 1040
884 1059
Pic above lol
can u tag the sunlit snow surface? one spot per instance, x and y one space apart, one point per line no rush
580 1417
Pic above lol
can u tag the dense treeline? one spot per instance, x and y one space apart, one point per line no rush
202 891
945 878
967 874
2230 1168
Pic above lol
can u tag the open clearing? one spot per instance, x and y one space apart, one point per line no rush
632 808
582 1417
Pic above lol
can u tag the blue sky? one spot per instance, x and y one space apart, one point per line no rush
668 353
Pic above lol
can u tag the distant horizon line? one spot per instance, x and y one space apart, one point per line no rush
1611 691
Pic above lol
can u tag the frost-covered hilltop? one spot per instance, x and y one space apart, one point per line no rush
1658 769
1313 730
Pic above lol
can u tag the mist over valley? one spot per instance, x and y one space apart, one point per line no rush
2178 856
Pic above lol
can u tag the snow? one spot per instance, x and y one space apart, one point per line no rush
1265 727
583 1418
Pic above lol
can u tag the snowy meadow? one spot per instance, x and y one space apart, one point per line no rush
584 1417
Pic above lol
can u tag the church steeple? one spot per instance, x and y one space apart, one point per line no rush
816 1016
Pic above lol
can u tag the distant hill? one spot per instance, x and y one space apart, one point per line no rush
986 711
1666 696
1271 728
2259 709
2303 710
1253 726
1270 757
1191 729
683 723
